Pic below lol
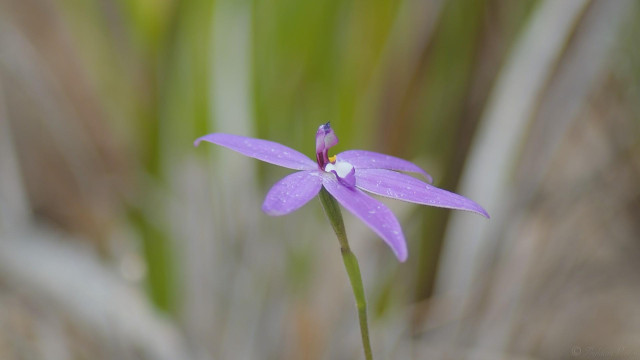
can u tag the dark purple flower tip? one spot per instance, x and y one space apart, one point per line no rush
325 139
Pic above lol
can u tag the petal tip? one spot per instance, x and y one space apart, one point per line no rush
477 209
402 257
483 212
422 172
202 138
427 177
271 212
400 250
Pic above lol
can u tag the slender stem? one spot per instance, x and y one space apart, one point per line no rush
332 209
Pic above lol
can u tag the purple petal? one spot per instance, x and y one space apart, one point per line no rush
264 150
404 187
372 212
362 159
292 192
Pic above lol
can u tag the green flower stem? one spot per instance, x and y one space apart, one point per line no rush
332 209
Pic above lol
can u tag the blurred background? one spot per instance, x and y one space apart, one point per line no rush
120 240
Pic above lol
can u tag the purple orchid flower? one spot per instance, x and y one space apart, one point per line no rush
344 176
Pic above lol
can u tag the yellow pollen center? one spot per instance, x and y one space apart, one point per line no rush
332 159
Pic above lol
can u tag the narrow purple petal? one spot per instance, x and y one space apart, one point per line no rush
264 150
404 187
372 212
362 159
292 192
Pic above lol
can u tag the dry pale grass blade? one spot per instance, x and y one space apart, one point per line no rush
61 140
487 175
502 129
488 266
568 91
73 282
214 210
564 99
14 208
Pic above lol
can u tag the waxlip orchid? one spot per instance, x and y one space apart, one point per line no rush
345 176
